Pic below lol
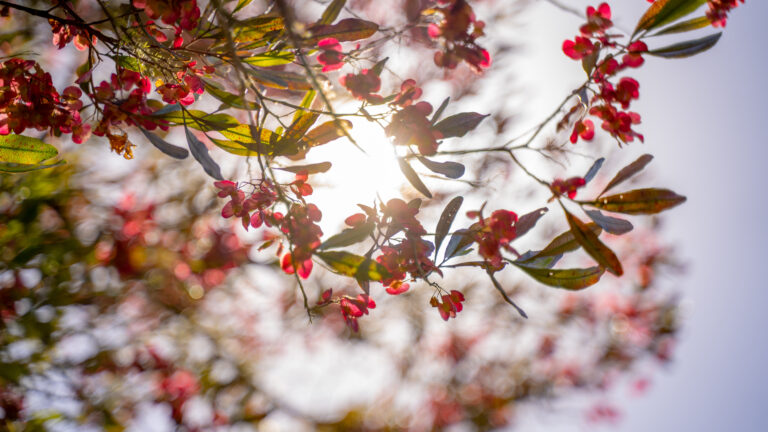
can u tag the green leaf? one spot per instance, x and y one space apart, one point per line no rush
314 168
664 12
271 58
610 224
685 26
379 66
413 178
201 120
348 264
301 124
128 62
592 245
640 201
687 48
570 279
346 30
21 149
257 27
458 125
200 153
327 132
280 79
332 12
449 169
234 147
18 168
241 4
528 221
164 146
349 236
230 99
446 220
628 171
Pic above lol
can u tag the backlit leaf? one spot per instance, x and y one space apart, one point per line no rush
570 279
449 169
18 168
413 178
349 236
314 168
164 146
628 171
685 26
230 99
640 201
256 27
687 48
528 221
270 58
346 30
348 264
610 224
332 11
458 125
200 153
326 132
22 149
593 246
565 242
664 12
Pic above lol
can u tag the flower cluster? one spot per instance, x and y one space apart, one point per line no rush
567 187
299 225
457 30
354 308
64 34
28 99
330 55
252 211
719 9
492 234
181 14
448 304
130 110
593 37
363 85
188 84
410 126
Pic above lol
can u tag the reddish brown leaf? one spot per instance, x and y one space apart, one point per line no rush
640 201
593 246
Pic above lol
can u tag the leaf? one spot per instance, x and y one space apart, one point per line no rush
234 147
346 30
280 79
459 241
18 168
314 168
270 58
664 12
449 169
593 170
230 99
128 62
200 153
200 120
440 109
332 11
301 124
640 201
687 48
628 171
563 243
348 264
306 103
528 221
685 26
349 236
22 149
503 293
256 27
326 132
592 245
570 279
379 66
446 220
610 224
413 178
164 146
241 4
531 259
458 125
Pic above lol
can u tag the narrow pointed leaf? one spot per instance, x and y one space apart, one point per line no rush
314 168
413 178
229 99
593 246
346 30
349 236
449 169
687 48
164 146
255 28
327 132
446 220
22 149
460 240
563 243
440 110
640 201
458 125
664 12
685 26
593 170
570 279
200 153
270 58
349 264
18 168
628 171
528 221
610 224
332 11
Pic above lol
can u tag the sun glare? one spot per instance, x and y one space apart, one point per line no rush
357 176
